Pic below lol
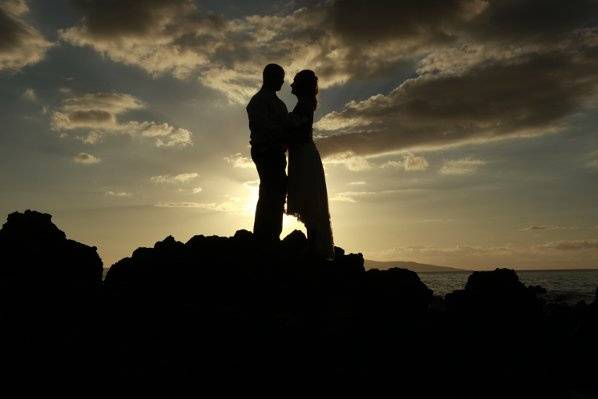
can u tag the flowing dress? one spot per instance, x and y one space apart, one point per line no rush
307 195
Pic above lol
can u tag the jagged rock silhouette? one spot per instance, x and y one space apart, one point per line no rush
496 295
290 308
224 311
34 248
49 291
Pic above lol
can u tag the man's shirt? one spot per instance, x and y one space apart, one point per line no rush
268 120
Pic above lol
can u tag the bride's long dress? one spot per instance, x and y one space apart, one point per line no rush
307 195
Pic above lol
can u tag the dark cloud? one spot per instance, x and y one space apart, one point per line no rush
86 159
363 22
20 43
228 55
484 70
342 40
10 31
509 95
159 36
532 20
428 22
97 114
91 117
108 19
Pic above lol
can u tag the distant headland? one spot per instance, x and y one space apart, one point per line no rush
413 266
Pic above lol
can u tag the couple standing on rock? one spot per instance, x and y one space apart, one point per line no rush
274 130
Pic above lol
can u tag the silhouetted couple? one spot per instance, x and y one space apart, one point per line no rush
273 131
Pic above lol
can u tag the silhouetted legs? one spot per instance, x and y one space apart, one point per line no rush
271 166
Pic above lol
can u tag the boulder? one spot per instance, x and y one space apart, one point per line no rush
34 249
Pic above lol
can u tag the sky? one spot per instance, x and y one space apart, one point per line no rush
458 132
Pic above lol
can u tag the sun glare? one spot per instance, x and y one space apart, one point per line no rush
251 195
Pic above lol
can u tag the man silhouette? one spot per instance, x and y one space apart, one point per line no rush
268 117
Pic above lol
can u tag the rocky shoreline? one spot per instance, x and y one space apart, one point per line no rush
223 310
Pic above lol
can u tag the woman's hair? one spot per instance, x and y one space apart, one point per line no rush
305 84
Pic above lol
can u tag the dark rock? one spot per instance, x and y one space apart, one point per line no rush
398 290
295 242
537 289
33 247
231 311
496 295
49 307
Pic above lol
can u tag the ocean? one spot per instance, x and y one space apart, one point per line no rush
570 286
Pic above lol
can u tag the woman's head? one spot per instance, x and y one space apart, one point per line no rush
305 84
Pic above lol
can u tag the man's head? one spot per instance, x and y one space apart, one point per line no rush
273 77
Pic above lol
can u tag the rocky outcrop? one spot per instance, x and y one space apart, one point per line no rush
227 311
34 249
50 289
496 295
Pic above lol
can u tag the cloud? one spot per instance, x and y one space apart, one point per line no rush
238 160
356 196
470 42
412 162
228 55
177 38
86 159
493 99
351 161
482 70
537 228
21 44
169 179
487 254
228 206
158 36
120 194
409 163
574 245
357 183
164 134
99 113
465 166
552 255
343 197
197 190
94 111
465 250
492 70
543 227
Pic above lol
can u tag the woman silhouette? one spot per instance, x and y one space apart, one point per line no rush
307 195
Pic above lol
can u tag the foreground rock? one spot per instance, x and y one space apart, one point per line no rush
49 292
262 310
34 250
226 312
